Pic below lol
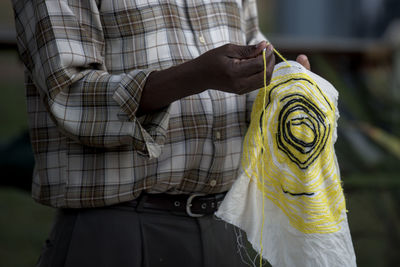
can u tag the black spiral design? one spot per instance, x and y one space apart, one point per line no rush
301 152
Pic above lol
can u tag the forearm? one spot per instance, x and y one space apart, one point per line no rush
229 68
166 86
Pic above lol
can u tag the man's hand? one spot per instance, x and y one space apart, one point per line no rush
229 68
303 60
236 69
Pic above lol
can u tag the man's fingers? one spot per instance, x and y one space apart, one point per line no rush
256 81
245 51
248 67
252 83
303 60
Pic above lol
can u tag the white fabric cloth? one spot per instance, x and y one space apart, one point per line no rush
289 201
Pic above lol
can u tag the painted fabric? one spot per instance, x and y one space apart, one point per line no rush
288 197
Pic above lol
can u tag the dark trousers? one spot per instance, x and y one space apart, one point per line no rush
121 236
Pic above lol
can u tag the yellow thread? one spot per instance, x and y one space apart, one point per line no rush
263 202
279 55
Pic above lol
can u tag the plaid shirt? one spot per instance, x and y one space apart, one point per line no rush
86 65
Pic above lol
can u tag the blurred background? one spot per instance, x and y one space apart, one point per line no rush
355 44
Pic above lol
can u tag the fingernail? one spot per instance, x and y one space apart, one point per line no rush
259 44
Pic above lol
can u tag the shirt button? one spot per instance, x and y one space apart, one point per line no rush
202 40
218 135
213 183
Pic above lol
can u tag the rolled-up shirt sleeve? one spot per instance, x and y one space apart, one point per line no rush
62 47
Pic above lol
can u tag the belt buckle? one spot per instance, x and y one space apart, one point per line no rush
189 205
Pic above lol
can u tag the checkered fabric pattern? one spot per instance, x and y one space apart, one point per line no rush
86 66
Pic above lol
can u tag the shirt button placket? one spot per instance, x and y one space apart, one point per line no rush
217 137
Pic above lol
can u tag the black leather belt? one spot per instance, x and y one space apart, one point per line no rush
195 205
